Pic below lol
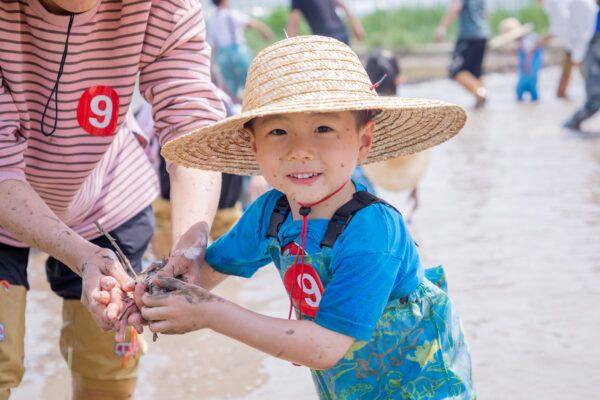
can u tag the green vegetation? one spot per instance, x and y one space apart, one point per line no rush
403 29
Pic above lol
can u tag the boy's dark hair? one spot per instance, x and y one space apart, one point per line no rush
379 63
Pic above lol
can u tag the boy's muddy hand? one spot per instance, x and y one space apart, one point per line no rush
104 285
184 308
186 259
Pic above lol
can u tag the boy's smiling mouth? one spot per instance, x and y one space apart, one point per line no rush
304 177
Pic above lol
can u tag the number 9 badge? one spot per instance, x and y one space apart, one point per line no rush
97 111
304 286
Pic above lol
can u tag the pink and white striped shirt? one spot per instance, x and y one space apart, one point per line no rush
92 167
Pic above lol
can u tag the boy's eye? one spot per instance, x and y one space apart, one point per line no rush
323 129
277 132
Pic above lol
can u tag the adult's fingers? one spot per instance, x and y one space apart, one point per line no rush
116 304
138 292
135 320
107 283
115 270
102 297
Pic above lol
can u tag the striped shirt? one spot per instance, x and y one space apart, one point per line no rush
92 167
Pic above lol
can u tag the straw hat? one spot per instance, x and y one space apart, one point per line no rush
314 74
400 173
510 29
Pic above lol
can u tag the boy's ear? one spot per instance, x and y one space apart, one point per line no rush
366 139
252 139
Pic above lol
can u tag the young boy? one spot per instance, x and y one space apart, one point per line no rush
371 324
530 54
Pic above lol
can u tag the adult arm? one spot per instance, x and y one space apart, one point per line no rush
355 25
29 219
175 78
293 22
451 13
261 27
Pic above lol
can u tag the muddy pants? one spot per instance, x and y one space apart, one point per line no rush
592 84
95 358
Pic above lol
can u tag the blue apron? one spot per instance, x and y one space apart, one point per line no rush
417 350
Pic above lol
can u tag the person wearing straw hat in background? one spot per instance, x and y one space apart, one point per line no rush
530 54
401 173
372 322
473 33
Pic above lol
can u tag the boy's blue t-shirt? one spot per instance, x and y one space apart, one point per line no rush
373 261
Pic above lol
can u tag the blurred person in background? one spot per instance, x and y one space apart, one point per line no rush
529 51
323 19
226 35
558 16
585 17
473 34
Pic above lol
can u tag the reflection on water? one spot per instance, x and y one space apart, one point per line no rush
510 206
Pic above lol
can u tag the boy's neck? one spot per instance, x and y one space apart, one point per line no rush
326 209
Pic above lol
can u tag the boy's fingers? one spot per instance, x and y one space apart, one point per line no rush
154 314
159 326
169 283
154 300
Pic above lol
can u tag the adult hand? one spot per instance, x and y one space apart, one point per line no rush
440 34
186 259
184 308
359 32
104 287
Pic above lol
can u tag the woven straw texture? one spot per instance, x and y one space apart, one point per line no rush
314 74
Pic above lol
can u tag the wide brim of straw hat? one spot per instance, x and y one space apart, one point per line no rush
314 74
507 37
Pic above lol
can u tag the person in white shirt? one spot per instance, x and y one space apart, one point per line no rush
585 17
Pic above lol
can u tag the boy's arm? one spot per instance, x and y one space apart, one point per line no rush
355 25
453 10
261 27
187 308
210 277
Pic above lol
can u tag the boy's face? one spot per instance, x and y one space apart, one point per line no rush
308 156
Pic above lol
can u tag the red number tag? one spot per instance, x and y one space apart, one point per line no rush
305 287
97 111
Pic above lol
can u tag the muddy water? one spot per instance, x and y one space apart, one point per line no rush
511 207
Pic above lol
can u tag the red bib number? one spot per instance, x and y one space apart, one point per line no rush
97 111
305 288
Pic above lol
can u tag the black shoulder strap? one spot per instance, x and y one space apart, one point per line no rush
280 213
344 214
338 222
